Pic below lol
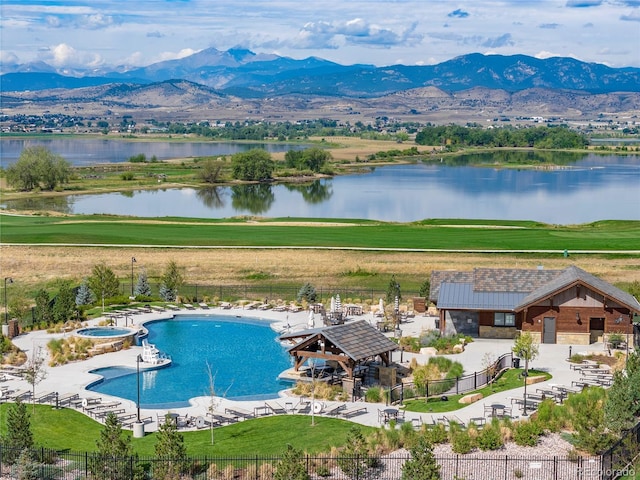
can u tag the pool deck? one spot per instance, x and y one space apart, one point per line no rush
74 377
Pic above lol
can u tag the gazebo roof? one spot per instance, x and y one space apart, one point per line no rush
357 340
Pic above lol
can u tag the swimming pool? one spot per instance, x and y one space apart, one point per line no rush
244 356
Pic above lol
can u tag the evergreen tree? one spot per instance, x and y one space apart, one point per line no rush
85 296
422 465
43 310
291 466
64 306
393 290
170 451
112 460
27 466
354 459
142 285
172 280
19 434
308 293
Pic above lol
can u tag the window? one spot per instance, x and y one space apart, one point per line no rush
502 319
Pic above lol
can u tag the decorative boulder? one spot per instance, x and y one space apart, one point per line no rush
471 398
458 348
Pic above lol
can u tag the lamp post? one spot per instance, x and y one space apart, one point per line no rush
138 360
133 260
6 308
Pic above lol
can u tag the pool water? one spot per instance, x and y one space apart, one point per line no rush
243 355
104 332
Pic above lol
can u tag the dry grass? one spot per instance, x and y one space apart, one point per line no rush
36 266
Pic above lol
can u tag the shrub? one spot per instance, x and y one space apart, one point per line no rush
527 433
127 176
490 437
436 434
373 395
461 441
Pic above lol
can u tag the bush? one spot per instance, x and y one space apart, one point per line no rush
461 441
527 433
127 176
490 437
437 434
373 395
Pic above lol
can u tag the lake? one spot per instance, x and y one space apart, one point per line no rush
584 188
89 151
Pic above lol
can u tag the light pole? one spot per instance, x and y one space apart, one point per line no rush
138 360
133 260
6 308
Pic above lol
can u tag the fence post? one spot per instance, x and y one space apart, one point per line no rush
475 380
506 466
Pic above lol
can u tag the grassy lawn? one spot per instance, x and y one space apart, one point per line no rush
507 381
67 429
441 234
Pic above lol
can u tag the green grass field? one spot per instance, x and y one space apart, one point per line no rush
441 234
67 429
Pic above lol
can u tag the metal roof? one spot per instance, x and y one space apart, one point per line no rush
462 296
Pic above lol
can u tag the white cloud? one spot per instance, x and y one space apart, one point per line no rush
185 52
63 55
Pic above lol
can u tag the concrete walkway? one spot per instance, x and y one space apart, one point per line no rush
74 377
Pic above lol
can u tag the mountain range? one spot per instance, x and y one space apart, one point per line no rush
246 74
238 84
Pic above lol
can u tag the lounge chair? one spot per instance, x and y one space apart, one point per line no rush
223 418
239 412
335 410
275 408
188 306
352 411
48 397
172 307
203 305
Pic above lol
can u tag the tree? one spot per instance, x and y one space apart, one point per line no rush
170 451
622 406
103 281
354 459
308 293
114 449
393 290
64 305
255 164
210 172
291 466
34 371
315 158
422 465
85 296
43 309
425 288
142 285
525 348
172 280
19 434
38 167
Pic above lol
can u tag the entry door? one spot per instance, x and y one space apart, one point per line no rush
549 332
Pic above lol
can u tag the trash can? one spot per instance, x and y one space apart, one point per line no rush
515 363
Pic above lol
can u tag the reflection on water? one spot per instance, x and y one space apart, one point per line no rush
558 189
254 198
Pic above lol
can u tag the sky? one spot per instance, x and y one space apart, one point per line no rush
96 34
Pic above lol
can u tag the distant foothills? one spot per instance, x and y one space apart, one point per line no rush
245 74
237 84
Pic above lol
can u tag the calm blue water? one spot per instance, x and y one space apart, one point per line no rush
244 357
89 151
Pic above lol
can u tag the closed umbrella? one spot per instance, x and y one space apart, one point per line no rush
333 305
396 304
381 307
312 321
338 304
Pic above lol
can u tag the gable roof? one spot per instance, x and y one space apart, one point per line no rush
573 275
358 340
514 289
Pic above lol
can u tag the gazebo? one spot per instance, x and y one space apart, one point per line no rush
349 345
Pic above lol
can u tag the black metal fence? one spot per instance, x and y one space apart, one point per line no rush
451 386
619 460
65 465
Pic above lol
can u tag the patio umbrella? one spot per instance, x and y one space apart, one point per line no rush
312 321
333 305
338 304
396 304
381 307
